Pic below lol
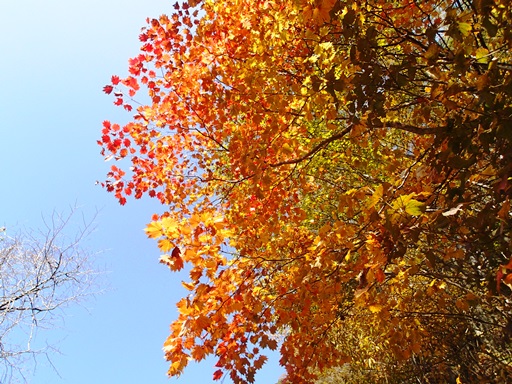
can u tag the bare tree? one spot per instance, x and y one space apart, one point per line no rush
41 273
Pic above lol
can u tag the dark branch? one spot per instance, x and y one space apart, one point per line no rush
316 149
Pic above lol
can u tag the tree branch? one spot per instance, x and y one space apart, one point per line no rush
316 149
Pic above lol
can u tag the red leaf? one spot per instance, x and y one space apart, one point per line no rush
115 80
108 89
131 82
217 375
176 252
509 265
133 61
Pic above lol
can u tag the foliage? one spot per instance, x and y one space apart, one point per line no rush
335 172
41 273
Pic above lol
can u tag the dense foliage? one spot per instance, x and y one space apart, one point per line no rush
336 173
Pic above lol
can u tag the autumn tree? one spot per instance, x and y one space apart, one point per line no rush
42 272
336 173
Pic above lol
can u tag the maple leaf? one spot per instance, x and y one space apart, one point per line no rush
115 80
108 89
165 245
175 262
260 361
176 252
154 230
217 375
332 172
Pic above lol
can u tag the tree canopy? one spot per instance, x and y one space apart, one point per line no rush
336 175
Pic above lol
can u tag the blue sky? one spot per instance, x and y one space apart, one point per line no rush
56 56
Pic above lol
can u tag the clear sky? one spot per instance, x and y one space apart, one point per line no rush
56 55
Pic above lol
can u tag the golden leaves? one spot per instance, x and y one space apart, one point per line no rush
165 245
154 230
319 162
465 28
407 204
482 55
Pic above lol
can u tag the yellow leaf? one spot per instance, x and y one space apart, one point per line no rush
154 230
375 308
170 227
414 207
465 28
482 55
377 195
287 148
165 245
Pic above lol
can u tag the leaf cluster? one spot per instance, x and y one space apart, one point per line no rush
337 176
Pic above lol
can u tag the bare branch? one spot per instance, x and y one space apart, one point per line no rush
41 273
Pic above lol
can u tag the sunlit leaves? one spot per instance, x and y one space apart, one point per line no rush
336 176
154 230
407 204
173 261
